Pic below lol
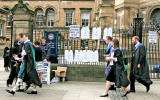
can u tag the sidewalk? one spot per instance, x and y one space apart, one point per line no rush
78 91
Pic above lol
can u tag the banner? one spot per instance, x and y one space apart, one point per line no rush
52 40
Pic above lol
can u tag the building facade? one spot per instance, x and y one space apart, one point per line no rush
51 14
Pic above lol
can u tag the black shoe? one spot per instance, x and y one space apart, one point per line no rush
147 88
20 90
11 92
32 92
126 94
131 91
106 95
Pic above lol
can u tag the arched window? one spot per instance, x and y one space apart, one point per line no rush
39 18
50 18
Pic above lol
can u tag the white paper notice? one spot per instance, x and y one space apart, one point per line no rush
107 32
74 31
68 55
85 32
152 37
96 33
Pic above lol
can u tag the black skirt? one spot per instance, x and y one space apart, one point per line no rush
111 75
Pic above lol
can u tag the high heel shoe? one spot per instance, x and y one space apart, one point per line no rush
126 94
106 95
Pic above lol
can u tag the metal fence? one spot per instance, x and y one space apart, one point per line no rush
124 36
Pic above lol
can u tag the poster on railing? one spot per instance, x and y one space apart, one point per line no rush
44 67
68 55
86 56
96 33
74 32
152 37
107 32
85 33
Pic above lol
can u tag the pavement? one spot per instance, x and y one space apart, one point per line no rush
77 91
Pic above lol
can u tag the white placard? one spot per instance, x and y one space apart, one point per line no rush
152 37
107 32
85 32
45 69
86 56
68 56
96 33
74 31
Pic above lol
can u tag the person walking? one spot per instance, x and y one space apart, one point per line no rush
28 68
139 66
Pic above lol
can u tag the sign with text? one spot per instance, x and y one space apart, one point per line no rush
152 37
74 32
52 40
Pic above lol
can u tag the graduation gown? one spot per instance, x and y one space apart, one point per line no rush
121 79
28 69
139 57
7 56
108 50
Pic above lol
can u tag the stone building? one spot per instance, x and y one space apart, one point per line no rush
35 16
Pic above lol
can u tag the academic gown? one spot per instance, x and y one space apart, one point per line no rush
121 79
141 73
28 71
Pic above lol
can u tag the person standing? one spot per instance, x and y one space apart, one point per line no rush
28 67
139 66
45 49
38 57
7 55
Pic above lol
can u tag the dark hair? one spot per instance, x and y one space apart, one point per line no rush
136 38
26 34
109 38
116 43
37 43
21 35
7 39
43 38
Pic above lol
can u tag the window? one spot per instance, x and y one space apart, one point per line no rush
68 19
85 18
1 29
39 18
50 18
8 22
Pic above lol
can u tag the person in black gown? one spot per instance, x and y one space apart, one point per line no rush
28 67
139 66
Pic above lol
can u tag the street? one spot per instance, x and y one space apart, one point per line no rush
78 91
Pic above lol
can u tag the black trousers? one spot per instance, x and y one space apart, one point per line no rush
132 81
13 74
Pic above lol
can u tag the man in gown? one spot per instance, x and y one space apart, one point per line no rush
139 66
27 71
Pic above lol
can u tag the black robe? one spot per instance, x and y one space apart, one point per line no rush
141 73
121 79
30 73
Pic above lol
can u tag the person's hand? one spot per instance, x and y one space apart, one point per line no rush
15 56
45 60
20 60
139 66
